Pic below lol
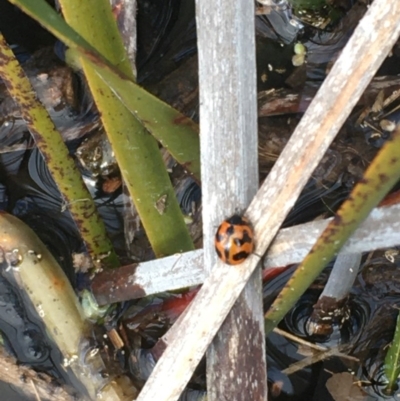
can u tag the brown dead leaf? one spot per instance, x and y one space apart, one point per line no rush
343 387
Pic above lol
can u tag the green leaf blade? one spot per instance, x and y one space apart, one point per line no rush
378 179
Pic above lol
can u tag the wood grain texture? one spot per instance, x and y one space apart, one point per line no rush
366 50
380 230
236 366
147 278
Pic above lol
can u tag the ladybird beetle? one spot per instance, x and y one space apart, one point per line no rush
234 240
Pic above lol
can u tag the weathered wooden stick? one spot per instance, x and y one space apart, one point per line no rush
139 280
380 230
360 59
229 176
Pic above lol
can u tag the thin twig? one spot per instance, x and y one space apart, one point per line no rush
295 367
300 340
35 391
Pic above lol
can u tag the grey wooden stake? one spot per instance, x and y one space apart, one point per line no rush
236 366
291 245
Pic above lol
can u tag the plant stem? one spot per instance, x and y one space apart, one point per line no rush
74 193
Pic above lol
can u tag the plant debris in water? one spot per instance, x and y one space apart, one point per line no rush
167 67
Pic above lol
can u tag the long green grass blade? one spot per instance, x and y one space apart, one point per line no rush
177 133
62 167
136 151
392 360
172 129
378 179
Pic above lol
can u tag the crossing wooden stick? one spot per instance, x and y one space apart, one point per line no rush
359 61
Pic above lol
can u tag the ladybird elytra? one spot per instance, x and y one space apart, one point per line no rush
234 240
